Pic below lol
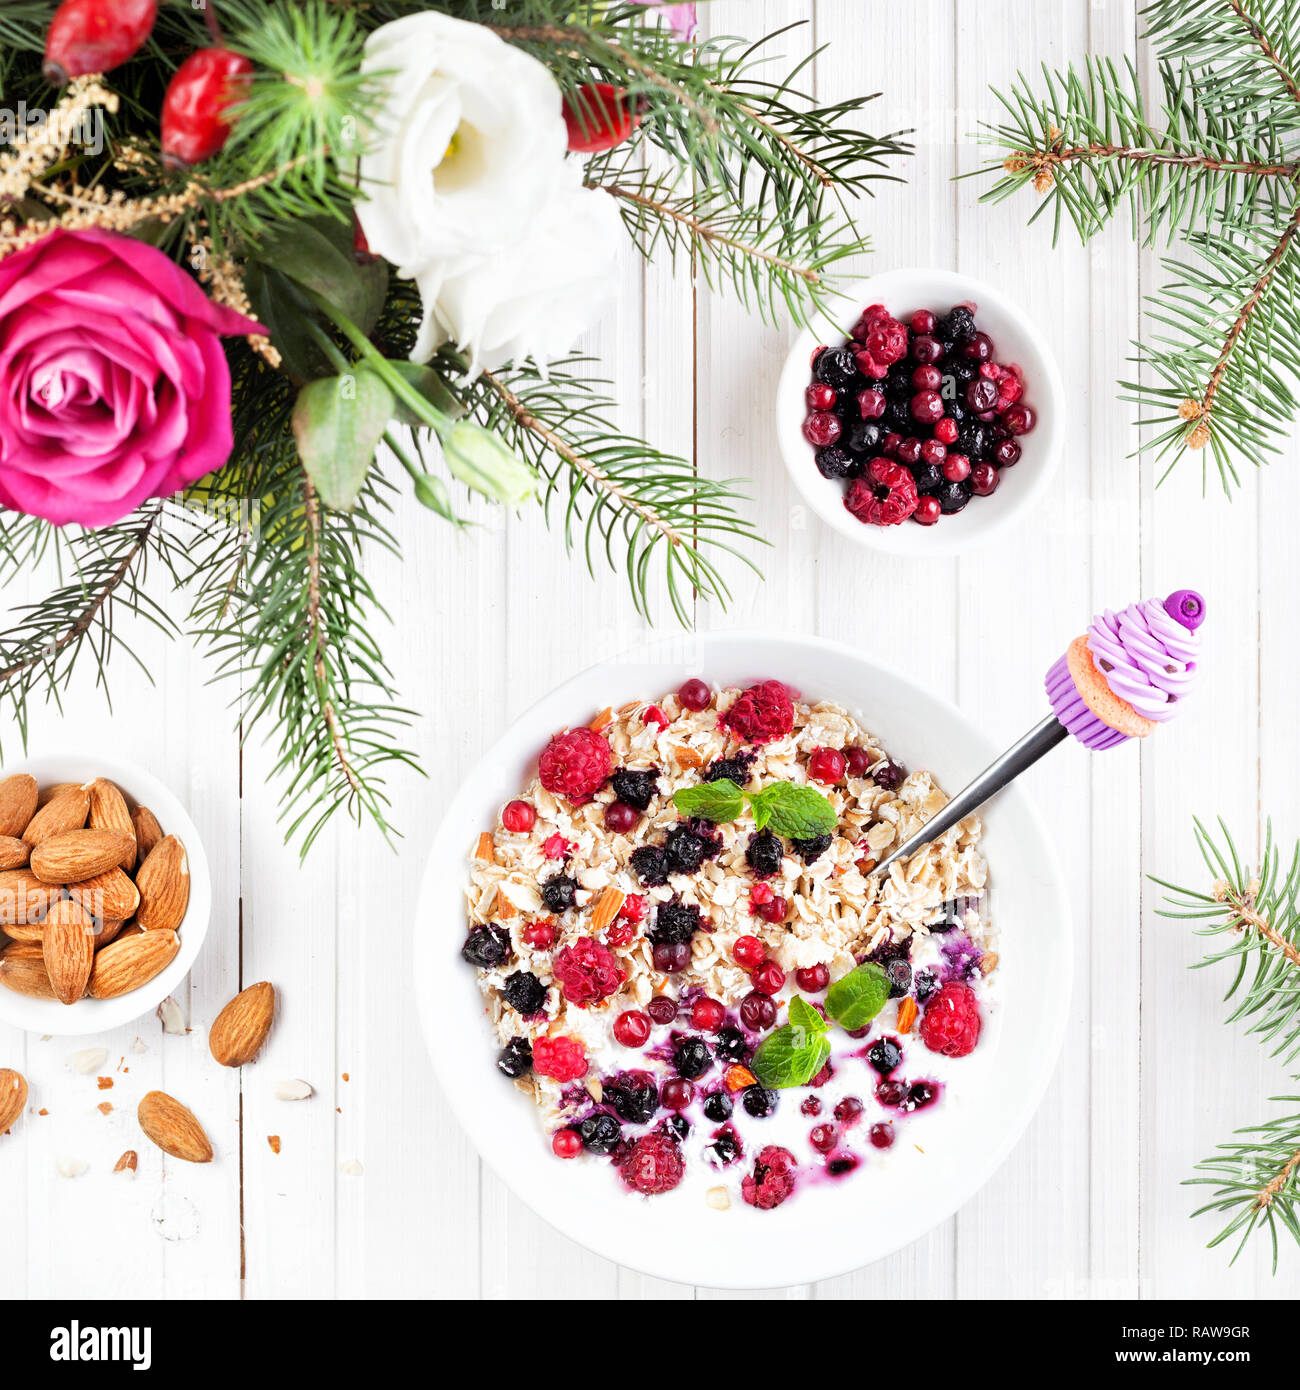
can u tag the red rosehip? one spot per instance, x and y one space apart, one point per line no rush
707 1015
202 89
769 977
695 694
519 817
812 978
774 910
748 952
826 765
566 1143
599 116
632 1027
95 35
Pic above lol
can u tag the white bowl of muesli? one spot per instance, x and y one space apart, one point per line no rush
673 1005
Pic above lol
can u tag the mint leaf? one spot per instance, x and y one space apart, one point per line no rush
800 813
716 801
791 1055
802 1014
856 998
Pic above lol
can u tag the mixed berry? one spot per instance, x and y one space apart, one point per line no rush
915 418
635 956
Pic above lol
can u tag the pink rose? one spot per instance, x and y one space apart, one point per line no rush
113 383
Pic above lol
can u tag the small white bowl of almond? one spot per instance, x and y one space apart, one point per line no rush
105 894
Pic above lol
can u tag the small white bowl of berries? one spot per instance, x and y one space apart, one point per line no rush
930 421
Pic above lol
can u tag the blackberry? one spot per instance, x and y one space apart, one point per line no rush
729 1044
974 439
650 865
953 497
810 851
725 1148
834 462
515 1058
889 775
759 1101
963 371
957 325
865 438
929 478
687 849
691 1058
524 992
897 385
675 923
837 368
899 971
635 1101
925 982
885 1055
898 417
920 1095
678 1125
559 893
486 947
635 788
600 1134
764 854
718 1107
733 769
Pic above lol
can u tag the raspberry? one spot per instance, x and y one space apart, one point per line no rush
575 764
557 847
562 1058
952 1021
764 712
885 344
886 496
539 935
633 908
587 972
654 715
653 1164
772 1180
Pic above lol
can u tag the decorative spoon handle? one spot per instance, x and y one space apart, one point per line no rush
1038 741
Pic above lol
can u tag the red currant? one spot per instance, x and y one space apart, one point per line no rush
927 511
759 894
932 452
202 89
566 1143
748 952
757 1012
984 479
945 430
881 1136
823 1138
857 761
695 694
820 396
773 911
812 978
922 321
676 1094
956 468
822 428
769 977
632 1027
826 765
519 817
707 1015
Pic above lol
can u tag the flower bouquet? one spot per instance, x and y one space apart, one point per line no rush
270 269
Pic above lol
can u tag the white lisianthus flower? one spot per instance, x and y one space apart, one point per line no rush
468 191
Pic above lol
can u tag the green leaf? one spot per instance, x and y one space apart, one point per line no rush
791 1055
800 813
431 492
337 423
717 801
803 1014
856 998
308 256
277 306
482 460
430 385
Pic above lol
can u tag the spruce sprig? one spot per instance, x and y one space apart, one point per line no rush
1256 918
1216 170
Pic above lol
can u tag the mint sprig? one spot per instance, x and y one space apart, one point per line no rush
798 812
856 998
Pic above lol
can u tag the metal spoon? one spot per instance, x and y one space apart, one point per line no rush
1038 741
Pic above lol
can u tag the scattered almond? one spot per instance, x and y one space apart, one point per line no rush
173 1128
14 853
717 1198
108 811
109 897
292 1090
105 1107
88 1060
164 883
351 1168
67 811
687 757
988 962
737 1078
128 1163
71 1167
274 1141
907 1012
240 1029
131 961
171 1017
68 945
18 796
147 832
77 855
13 1098
602 720
606 909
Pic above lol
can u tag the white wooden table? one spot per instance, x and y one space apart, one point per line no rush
1089 1204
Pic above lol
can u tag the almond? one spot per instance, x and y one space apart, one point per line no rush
110 897
173 1128
485 851
606 909
17 803
23 950
13 1098
164 884
14 852
25 975
78 855
108 811
687 757
67 811
24 901
109 931
127 1163
69 949
147 832
907 1012
240 1029
56 789
131 961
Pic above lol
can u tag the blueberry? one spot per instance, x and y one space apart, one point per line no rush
953 497
515 1058
718 1107
729 1044
687 849
925 983
836 367
865 438
691 1058
837 1167
897 384
725 1148
650 865
675 923
885 1055
524 992
929 478
486 947
600 1134
889 775
635 788
759 1101
677 1125
559 893
963 370
834 462
811 850
899 971
635 1103
764 854
920 1094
